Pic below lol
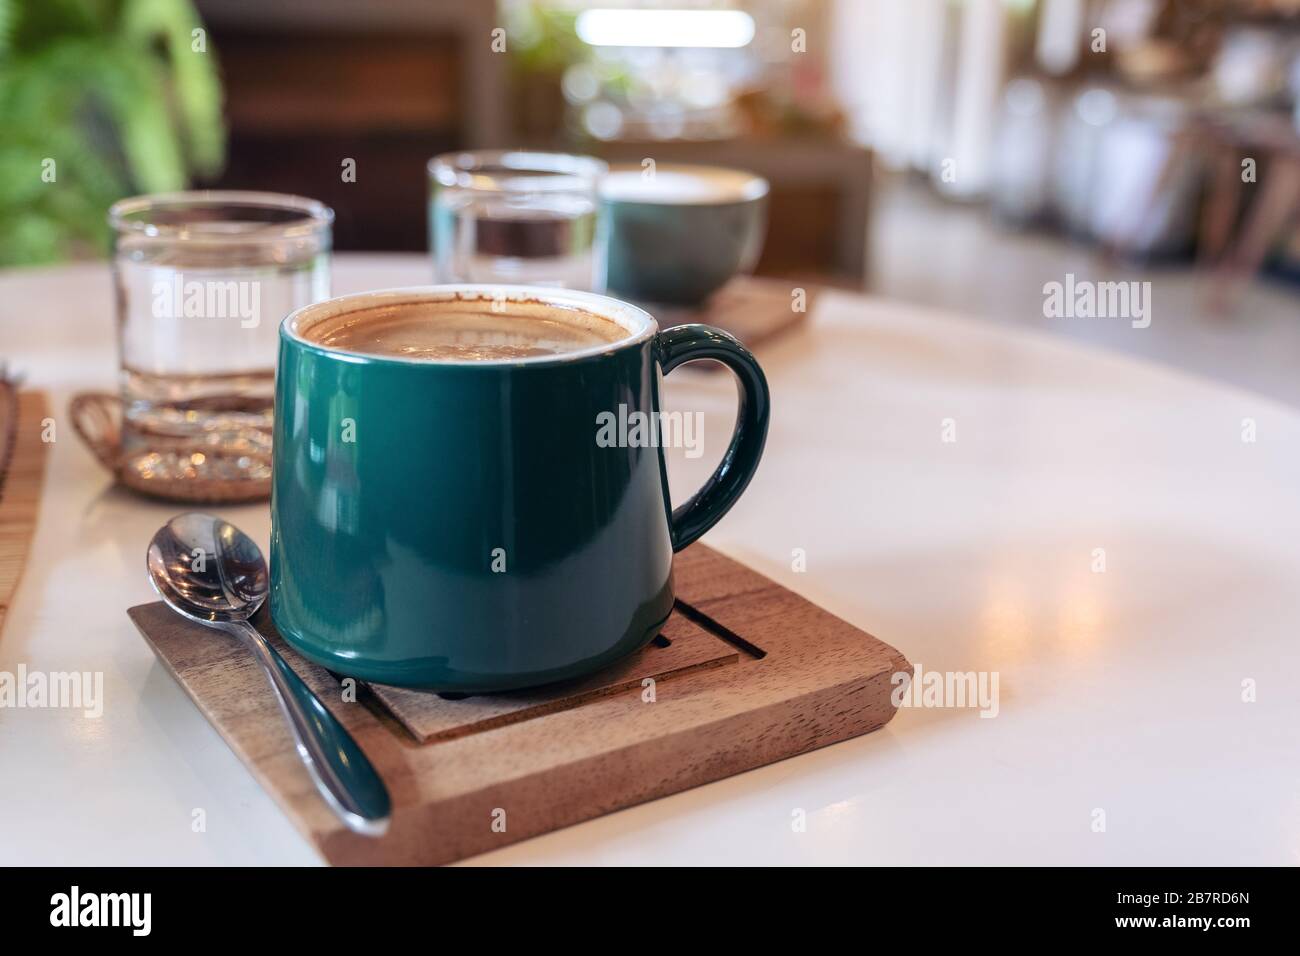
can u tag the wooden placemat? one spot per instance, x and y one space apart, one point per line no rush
753 674
22 472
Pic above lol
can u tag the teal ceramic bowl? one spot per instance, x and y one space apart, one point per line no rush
466 526
677 236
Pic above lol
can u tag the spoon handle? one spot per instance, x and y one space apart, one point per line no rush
343 774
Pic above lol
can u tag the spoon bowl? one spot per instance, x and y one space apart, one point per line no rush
208 570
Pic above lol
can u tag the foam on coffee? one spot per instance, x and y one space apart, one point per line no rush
681 186
466 330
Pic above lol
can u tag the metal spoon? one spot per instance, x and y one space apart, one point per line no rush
209 571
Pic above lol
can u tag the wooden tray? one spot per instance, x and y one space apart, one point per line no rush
754 310
745 673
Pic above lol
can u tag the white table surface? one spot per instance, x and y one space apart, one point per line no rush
1120 691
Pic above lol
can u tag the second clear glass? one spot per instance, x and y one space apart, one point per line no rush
516 217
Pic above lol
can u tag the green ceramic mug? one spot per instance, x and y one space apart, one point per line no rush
458 525
676 237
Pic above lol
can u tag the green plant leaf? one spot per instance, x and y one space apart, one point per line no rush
98 99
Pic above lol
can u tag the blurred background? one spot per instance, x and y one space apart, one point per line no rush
952 153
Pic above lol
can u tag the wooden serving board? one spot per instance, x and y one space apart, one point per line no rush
744 673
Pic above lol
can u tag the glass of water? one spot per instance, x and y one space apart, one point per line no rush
203 280
516 217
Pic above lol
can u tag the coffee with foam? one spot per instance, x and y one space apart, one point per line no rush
466 330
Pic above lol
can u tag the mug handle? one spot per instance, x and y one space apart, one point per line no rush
690 343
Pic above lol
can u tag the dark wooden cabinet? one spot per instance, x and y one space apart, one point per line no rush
309 84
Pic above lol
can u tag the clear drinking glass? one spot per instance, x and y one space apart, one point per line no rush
203 280
516 217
